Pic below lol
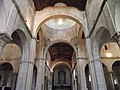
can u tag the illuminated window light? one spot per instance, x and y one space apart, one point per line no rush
89 78
115 81
60 21
108 55
4 58
106 47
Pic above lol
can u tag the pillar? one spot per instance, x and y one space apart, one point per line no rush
25 75
78 75
14 81
23 68
92 72
111 80
81 76
41 72
40 75
22 75
100 75
3 40
9 81
101 84
81 71
31 64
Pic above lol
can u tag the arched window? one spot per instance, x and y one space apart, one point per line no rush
61 77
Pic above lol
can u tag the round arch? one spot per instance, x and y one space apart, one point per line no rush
58 41
20 38
62 74
102 36
55 13
116 74
59 63
12 65
7 63
6 73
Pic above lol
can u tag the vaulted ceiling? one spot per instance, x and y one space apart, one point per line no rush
61 51
40 4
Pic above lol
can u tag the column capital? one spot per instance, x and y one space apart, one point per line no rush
27 62
40 59
34 38
110 72
4 39
81 58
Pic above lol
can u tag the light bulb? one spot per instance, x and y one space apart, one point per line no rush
108 55
60 21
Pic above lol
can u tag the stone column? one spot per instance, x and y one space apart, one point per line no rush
111 80
92 72
40 73
14 81
100 74
22 75
78 74
23 68
31 64
81 71
9 81
81 75
25 75
101 84
3 40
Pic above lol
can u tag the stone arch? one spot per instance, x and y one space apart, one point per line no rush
102 36
6 73
9 54
56 13
58 41
40 44
111 48
68 76
60 62
20 39
115 73
11 66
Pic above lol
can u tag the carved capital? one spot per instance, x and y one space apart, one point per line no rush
4 39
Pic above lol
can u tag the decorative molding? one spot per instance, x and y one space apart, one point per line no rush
27 62
40 59
79 58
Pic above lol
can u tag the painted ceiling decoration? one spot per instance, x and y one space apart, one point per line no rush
61 51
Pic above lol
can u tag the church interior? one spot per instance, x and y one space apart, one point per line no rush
59 45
